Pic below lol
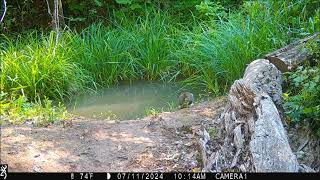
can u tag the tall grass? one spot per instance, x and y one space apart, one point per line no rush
126 51
210 55
219 53
36 67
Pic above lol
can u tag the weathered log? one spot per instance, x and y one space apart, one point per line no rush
269 145
254 138
290 56
203 146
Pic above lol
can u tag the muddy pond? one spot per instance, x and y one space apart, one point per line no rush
126 101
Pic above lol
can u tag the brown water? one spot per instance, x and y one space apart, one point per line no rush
126 101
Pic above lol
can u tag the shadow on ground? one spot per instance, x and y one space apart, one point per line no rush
166 142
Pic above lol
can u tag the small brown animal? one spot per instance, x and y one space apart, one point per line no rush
67 123
185 100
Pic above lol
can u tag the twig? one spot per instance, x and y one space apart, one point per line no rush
4 11
56 23
49 10
303 145
56 15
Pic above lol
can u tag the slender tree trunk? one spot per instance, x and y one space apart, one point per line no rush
61 16
58 18
55 10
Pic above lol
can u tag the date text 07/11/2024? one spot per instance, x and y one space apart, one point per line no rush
181 176
160 176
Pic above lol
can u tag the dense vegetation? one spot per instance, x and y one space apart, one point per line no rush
302 99
202 44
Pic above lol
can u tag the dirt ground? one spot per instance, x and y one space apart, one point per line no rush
305 145
166 142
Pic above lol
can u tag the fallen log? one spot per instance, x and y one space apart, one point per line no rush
290 56
254 137
269 145
251 130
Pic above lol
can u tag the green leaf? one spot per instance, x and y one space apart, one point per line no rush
124 1
98 3
135 6
299 79
307 110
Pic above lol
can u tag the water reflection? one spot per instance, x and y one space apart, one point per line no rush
126 101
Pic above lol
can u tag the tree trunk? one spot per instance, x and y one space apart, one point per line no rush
61 16
55 10
58 18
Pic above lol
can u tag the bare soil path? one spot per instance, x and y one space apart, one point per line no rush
166 142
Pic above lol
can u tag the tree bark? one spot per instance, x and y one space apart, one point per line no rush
251 134
290 56
269 145
254 137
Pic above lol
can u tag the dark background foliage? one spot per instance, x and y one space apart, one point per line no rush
33 14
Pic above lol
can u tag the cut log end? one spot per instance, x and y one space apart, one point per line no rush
292 55
279 64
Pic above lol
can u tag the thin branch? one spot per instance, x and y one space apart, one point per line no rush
49 10
56 14
5 10
56 23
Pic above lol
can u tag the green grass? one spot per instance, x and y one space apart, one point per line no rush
203 55
36 67
127 51
18 110
217 54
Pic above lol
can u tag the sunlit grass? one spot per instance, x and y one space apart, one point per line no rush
36 67
41 113
207 56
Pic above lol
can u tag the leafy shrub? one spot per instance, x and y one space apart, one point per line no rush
208 9
19 110
302 101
